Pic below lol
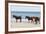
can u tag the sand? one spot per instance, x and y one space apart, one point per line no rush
23 24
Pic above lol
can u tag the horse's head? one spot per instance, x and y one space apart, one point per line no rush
14 16
26 17
37 18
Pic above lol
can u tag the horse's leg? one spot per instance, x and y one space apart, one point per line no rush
36 22
31 21
39 21
20 20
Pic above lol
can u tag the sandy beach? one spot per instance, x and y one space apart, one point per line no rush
23 24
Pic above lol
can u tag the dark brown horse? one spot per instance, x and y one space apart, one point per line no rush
17 17
29 18
37 19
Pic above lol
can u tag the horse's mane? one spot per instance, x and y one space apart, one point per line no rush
16 16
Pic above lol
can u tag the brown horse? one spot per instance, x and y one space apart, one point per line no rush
17 17
36 19
33 19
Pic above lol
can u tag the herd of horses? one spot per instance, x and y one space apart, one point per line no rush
33 19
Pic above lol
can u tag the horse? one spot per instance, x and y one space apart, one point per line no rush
17 17
29 18
37 19
33 19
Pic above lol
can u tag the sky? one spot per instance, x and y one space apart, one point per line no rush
25 8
